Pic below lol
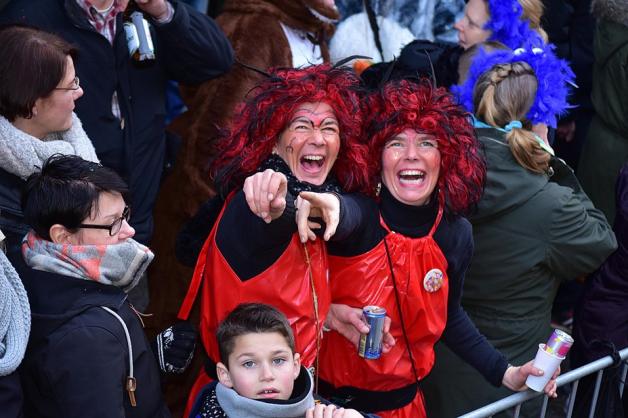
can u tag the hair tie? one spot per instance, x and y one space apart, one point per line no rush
513 124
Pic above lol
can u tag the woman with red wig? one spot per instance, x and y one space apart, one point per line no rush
407 252
300 130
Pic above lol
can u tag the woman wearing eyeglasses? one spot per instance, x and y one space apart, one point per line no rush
37 94
87 354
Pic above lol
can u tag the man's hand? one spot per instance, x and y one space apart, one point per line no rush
265 194
349 323
515 378
566 131
157 9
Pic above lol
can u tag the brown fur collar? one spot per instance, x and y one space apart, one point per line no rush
613 10
293 13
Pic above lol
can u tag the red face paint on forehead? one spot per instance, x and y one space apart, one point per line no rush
314 116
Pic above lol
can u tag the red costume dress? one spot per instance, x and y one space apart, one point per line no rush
296 284
420 273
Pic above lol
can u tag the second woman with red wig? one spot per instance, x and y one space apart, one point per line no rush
407 252
300 128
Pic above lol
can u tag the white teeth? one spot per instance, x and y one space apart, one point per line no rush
411 173
313 157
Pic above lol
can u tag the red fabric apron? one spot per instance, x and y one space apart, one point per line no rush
287 285
366 280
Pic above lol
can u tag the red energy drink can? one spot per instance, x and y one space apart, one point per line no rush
371 344
559 343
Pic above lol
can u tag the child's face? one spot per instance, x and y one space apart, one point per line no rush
261 366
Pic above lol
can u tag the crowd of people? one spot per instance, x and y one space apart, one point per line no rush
305 191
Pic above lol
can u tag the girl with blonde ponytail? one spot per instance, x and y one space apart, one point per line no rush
502 98
534 228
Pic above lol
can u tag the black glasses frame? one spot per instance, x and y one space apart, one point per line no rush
115 226
77 85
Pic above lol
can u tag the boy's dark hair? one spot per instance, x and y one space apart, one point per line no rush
248 318
32 63
66 191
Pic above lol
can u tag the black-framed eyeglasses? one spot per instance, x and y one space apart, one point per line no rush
76 84
115 226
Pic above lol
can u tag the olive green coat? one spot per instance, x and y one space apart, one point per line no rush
530 232
606 147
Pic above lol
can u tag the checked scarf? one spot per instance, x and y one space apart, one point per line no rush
121 265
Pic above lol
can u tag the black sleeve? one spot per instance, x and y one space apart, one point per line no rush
460 334
358 229
191 47
249 244
194 232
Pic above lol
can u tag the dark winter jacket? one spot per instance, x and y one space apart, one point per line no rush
602 314
531 232
606 148
11 396
190 49
11 217
77 359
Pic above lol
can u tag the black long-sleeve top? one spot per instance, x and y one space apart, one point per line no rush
360 231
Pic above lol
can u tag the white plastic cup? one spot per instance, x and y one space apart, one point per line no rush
546 362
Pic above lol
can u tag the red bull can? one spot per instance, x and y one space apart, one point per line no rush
559 343
371 344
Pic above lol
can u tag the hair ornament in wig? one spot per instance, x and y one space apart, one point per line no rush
425 108
553 75
508 27
267 112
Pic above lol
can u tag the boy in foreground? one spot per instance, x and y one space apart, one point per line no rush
260 374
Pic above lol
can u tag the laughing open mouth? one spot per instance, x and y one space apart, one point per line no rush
312 162
411 176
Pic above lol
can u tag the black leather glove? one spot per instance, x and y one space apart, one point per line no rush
174 347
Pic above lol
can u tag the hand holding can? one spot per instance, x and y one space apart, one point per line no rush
548 358
370 346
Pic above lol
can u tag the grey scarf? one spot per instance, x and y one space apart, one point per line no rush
21 154
236 406
15 317
121 265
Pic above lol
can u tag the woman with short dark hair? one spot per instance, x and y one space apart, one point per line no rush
87 354
37 94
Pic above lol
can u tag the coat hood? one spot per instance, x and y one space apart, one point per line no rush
508 185
613 10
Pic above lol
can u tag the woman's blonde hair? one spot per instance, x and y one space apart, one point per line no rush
504 94
533 12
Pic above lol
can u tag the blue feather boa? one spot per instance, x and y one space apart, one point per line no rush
508 27
553 74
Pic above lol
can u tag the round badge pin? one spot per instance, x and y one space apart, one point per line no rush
433 280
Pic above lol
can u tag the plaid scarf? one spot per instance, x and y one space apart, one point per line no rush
121 265
104 23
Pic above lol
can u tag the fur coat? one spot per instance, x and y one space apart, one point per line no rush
254 28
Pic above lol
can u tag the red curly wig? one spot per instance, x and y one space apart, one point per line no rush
267 113
421 106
